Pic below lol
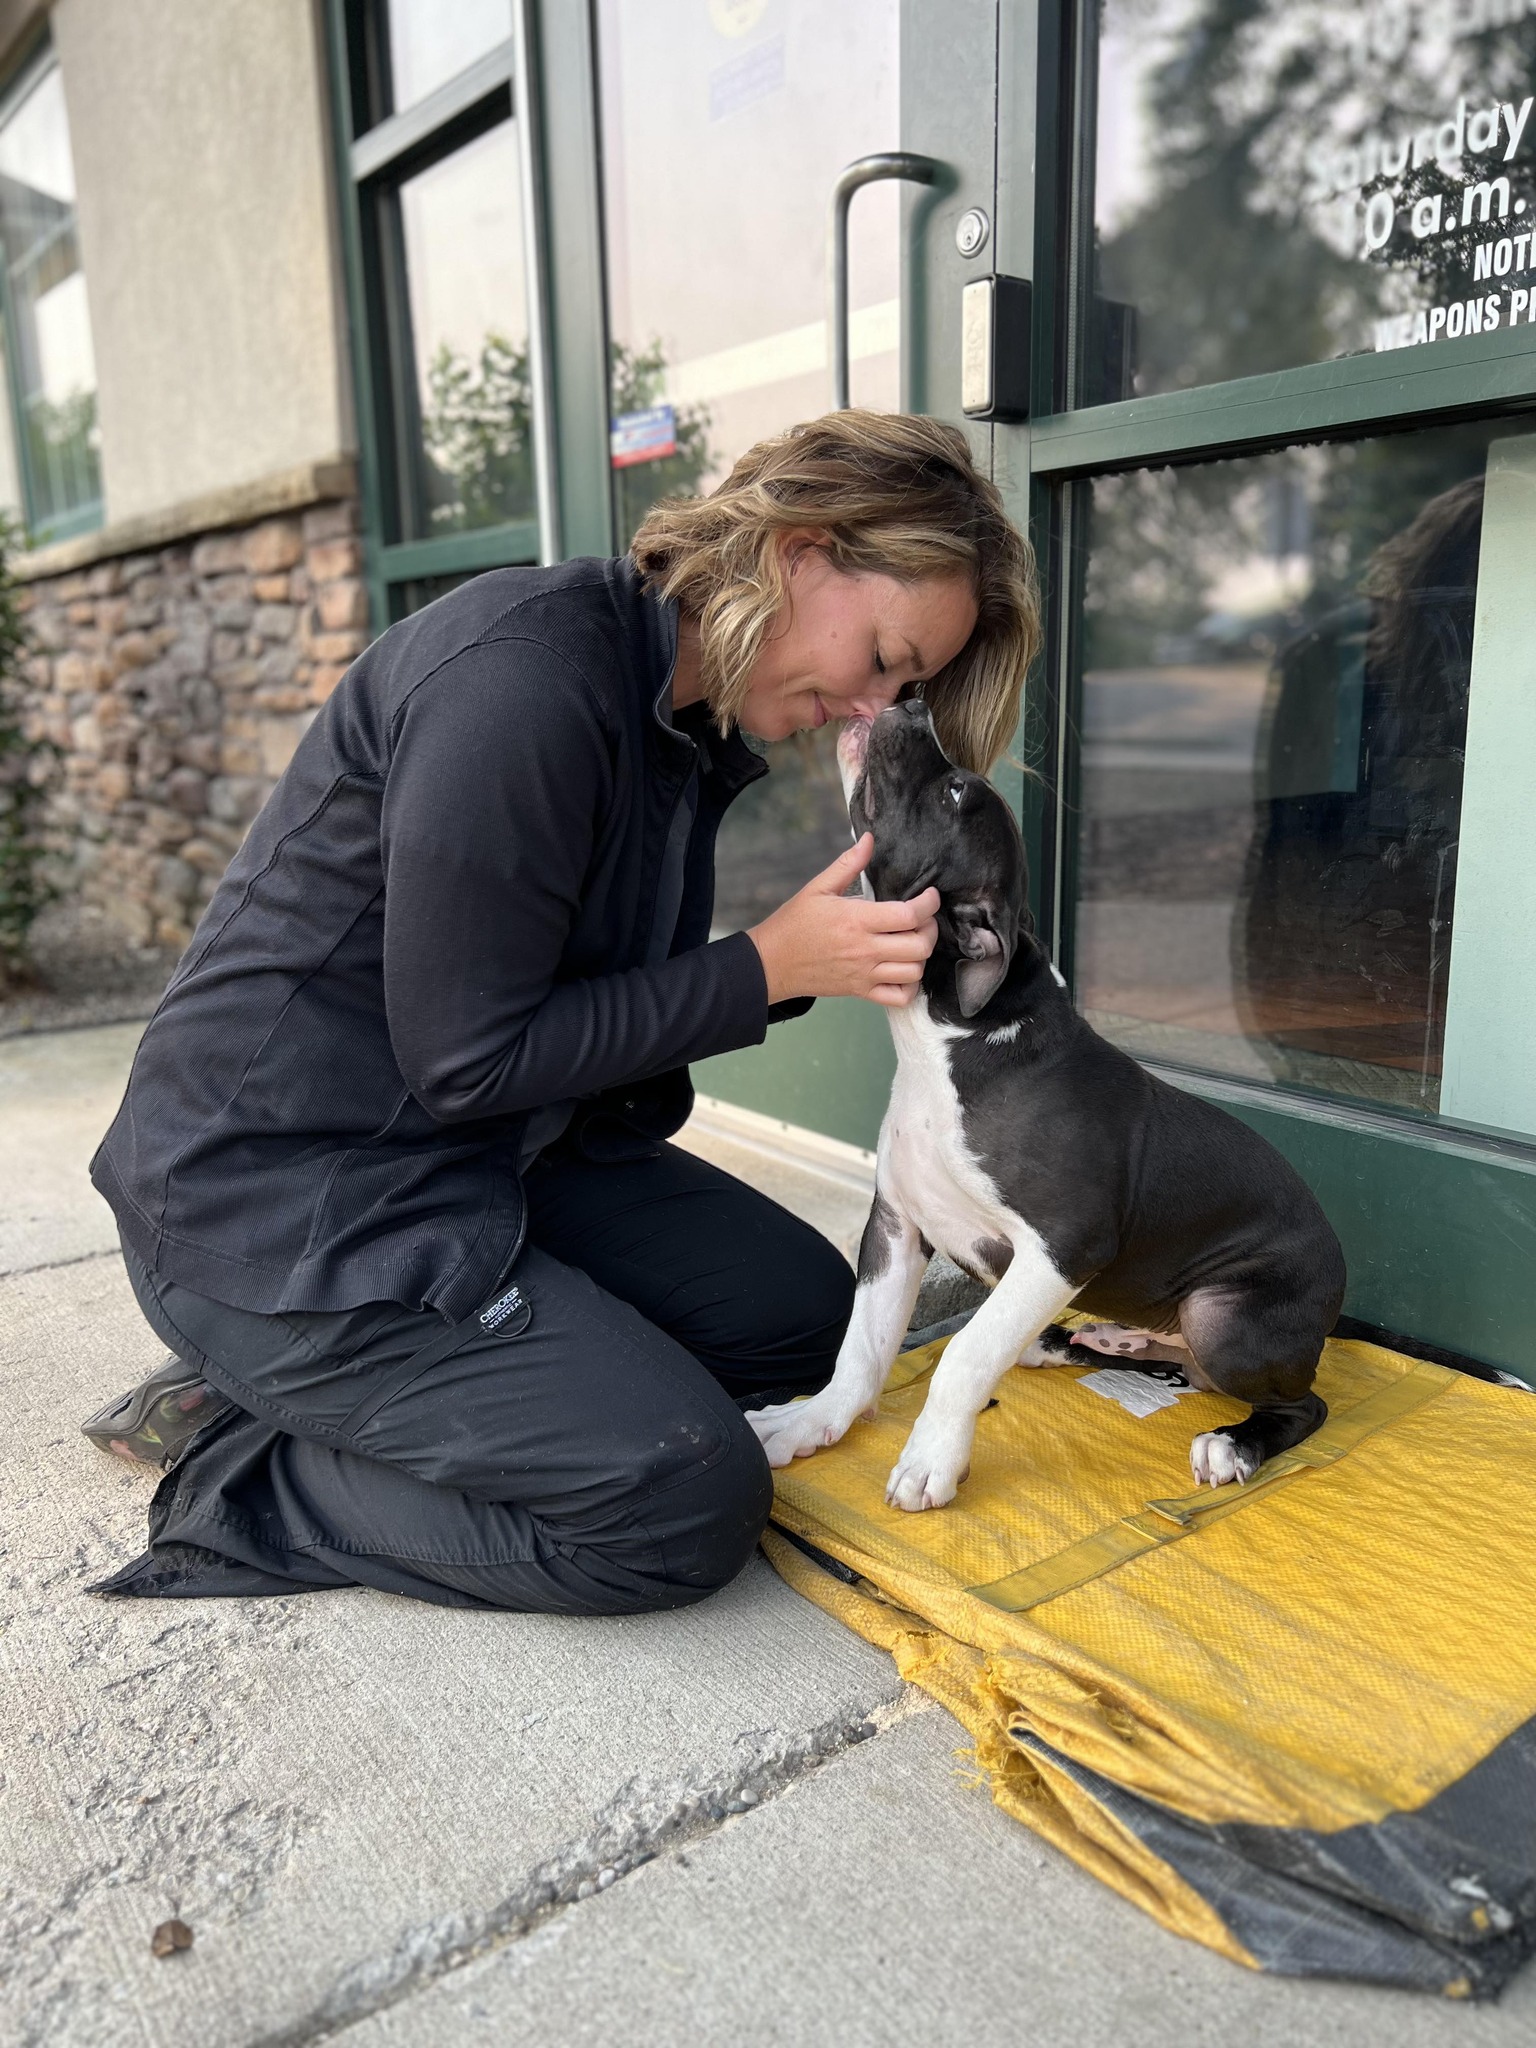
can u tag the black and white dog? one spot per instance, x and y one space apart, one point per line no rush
1048 1163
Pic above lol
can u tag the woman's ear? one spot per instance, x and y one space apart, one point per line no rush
795 542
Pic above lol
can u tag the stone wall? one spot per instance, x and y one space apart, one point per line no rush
176 684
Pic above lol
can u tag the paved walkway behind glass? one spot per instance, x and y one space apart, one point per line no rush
395 1824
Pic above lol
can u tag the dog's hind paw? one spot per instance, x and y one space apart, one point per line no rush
1053 1346
1216 1460
1113 1339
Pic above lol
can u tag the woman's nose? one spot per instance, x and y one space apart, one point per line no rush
871 702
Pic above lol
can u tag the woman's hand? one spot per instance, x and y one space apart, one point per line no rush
822 943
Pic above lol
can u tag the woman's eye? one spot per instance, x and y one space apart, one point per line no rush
879 664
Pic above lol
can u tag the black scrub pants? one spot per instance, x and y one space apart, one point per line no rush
594 1460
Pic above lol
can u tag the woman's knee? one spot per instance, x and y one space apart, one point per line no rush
681 1534
780 1336
821 1295
705 1525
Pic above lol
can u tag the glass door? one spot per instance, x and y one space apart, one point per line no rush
724 129
726 124
1282 467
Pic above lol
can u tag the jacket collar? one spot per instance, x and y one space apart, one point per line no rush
726 755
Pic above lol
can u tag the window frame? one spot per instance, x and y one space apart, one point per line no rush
554 106
1426 1208
37 57
1347 398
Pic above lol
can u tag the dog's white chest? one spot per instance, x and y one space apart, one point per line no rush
926 1168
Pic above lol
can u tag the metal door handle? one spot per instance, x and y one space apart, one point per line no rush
866 170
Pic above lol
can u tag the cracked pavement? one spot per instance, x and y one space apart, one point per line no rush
388 1823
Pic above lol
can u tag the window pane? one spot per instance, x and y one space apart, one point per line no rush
431 41
1278 657
461 225
56 364
1293 180
724 128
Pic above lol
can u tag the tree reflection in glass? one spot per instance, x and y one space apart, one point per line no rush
1284 181
466 378
1277 660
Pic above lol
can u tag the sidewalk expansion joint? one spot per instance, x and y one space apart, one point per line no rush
643 1821
55 1265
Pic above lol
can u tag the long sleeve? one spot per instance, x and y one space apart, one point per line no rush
500 777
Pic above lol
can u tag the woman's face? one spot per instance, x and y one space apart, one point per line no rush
847 645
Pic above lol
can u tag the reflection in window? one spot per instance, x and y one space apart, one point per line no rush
724 130
781 831
431 41
1274 709
418 591
49 316
461 223
1293 180
724 126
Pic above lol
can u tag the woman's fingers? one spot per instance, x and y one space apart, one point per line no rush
898 916
844 871
822 942
903 945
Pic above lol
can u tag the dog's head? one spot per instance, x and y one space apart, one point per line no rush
938 824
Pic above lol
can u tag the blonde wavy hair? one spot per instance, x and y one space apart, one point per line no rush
893 494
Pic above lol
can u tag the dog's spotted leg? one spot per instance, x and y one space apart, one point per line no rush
938 1452
1146 1346
1111 1338
892 1257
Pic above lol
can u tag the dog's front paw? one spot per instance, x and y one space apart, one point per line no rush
1216 1460
799 1428
929 1471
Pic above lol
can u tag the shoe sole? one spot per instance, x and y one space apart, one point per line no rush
154 1423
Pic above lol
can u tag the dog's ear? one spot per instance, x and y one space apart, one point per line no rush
986 938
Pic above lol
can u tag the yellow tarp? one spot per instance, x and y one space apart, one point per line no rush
1208 1697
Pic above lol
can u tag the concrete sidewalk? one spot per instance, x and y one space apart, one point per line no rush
399 1824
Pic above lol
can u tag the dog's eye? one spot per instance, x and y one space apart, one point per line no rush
955 791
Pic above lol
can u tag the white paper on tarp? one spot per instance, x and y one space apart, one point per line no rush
1137 1392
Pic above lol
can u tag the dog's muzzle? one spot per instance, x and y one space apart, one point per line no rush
853 744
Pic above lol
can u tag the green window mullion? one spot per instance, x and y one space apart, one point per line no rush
348 78
1479 373
21 433
486 547
564 78
422 126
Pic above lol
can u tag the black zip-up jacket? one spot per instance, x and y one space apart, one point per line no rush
437 925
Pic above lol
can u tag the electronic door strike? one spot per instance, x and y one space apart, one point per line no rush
994 348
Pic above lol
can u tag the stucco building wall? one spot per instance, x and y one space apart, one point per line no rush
178 653
202 165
